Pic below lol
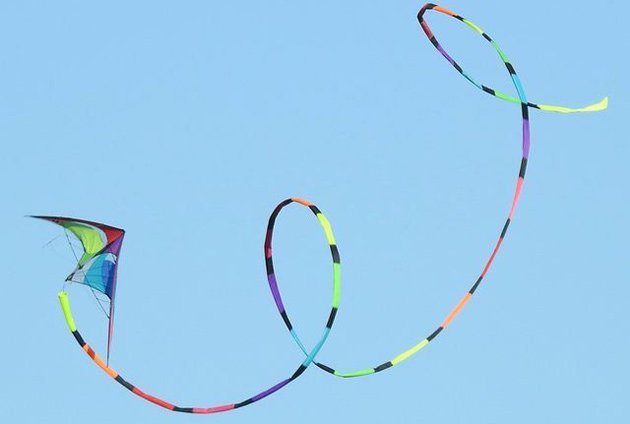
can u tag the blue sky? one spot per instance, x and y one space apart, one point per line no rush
186 124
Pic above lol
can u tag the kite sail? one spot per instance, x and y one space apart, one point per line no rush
97 267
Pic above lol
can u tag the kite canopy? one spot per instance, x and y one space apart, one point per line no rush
97 265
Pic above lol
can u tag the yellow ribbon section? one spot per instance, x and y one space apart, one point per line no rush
65 307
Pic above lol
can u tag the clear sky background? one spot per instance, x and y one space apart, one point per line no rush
187 122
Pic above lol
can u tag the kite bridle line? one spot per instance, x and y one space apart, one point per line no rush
310 355
525 105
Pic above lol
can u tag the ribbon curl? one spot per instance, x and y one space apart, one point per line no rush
336 274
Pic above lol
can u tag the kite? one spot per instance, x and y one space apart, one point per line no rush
97 267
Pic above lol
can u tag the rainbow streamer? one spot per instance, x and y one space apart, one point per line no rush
311 354
525 105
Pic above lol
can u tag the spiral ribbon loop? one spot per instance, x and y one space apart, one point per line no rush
336 261
525 105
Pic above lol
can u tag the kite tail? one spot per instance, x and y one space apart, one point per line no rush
525 105
595 107
601 105
114 239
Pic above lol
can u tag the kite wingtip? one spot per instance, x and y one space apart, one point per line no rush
44 217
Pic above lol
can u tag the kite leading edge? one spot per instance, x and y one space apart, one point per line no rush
97 267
